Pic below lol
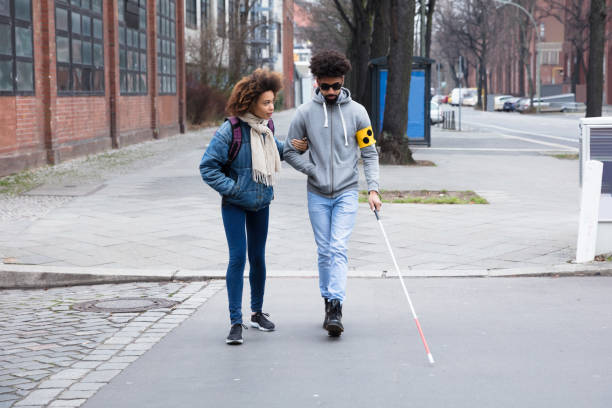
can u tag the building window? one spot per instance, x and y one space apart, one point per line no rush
192 13
221 18
16 50
133 49
79 47
166 46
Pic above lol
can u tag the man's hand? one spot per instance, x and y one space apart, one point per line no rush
374 200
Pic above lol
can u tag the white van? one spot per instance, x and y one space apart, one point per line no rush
469 96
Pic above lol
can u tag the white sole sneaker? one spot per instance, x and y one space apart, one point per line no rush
228 341
257 326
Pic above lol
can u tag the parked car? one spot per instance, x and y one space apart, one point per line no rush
470 98
524 104
510 104
435 113
573 107
498 102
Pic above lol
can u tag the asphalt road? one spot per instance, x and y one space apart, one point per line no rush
528 342
510 132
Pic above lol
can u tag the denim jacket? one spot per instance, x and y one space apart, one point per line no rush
237 187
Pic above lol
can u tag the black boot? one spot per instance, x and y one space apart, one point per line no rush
326 313
334 323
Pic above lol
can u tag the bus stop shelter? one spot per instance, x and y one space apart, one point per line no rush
419 123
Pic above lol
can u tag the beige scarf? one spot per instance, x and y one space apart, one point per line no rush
264 153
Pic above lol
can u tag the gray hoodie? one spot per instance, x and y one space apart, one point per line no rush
333 151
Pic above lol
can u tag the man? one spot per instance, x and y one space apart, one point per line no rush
338 130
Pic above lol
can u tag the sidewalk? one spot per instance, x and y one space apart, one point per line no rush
162 221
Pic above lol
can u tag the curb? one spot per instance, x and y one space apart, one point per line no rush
42 277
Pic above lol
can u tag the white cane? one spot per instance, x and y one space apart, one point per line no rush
399 273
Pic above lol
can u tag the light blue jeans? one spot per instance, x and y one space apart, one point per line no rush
332 221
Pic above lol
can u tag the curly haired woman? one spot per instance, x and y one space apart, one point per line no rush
246 188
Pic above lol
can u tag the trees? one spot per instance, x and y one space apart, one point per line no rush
597 22
392 141
470 27
360 25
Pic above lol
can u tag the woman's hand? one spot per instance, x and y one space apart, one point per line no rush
299 145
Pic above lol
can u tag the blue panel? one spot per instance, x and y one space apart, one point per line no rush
383 93
416 104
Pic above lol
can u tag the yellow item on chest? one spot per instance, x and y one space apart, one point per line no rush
365 137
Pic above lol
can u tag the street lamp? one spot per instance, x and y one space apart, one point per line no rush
537 50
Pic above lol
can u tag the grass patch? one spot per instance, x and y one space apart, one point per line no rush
426 197
566 156
18 183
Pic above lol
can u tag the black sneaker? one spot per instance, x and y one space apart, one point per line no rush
326 313
260 320
334 324
235 334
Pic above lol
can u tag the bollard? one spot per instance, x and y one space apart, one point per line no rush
453 120
589 211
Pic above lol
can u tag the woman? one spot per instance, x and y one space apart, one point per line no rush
246 188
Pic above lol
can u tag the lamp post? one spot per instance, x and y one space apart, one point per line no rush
537 47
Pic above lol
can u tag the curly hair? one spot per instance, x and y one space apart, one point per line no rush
248 89
329 64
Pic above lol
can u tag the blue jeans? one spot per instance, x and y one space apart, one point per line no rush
332 221
234 221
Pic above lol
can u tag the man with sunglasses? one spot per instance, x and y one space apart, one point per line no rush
339 132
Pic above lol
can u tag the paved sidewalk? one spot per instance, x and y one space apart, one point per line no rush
53 355
163 217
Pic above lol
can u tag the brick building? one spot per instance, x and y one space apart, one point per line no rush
562 63
83 76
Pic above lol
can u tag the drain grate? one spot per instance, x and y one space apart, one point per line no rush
124 305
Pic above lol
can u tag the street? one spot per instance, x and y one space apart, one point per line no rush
529 342
509 132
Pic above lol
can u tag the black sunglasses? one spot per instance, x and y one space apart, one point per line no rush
335 86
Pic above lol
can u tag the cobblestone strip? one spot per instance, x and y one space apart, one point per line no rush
84 375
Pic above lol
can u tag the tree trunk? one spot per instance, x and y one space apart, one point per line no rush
380 34
430 11
522 58
393 143
597 22
363 11
379 46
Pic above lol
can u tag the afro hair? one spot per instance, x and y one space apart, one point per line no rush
329 64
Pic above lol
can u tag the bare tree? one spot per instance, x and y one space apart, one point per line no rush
431 6
597 22
326 29
470 26
393 143
205 55
360 26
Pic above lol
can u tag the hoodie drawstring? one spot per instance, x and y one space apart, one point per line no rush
325 110
343 126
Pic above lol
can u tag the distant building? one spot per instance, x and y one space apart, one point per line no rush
270 43
560 64
83 76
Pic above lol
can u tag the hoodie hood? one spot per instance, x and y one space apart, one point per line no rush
343 97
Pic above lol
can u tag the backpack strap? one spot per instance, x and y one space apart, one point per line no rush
237 140
271 125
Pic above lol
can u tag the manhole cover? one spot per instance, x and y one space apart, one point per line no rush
124 305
